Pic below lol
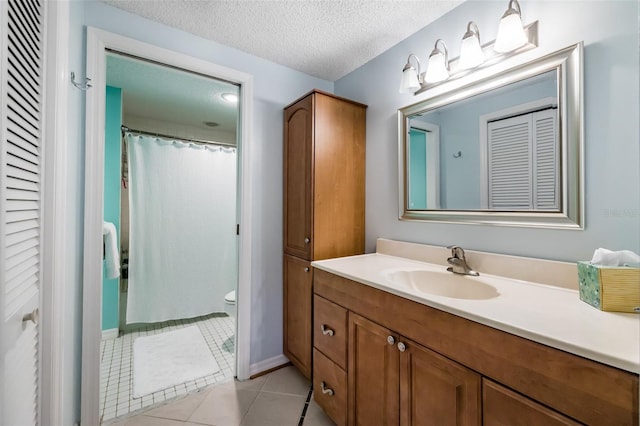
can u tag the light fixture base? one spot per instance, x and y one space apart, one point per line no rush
491 58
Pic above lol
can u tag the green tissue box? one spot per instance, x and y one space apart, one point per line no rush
609 288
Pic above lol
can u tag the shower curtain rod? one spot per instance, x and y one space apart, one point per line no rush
125 129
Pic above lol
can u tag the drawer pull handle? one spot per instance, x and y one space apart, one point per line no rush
401 347
325 389
306 269
391 340
307 240
326 330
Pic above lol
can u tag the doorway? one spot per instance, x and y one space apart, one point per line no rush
170 201
99 46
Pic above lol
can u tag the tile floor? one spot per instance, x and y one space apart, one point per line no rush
276 399
116 379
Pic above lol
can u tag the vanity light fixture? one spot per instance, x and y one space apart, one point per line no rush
438 66
510 31
471 54
513 38
410 77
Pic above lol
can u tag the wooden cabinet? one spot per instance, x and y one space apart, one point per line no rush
298 282
298 152
331 330
373 376
502 406
324 189
450 370
435 390
330 387
393 380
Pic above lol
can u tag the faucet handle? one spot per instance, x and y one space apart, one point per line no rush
456 251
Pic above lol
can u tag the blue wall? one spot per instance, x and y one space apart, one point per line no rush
609 30
112 176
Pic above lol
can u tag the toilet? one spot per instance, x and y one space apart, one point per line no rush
230 303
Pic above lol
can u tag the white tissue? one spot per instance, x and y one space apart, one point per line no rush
606 257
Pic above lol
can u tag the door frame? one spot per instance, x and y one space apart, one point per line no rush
98 41
54 279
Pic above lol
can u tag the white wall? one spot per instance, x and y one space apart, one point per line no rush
609 30
275 86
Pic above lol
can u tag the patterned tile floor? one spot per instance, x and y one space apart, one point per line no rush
116 379
280 398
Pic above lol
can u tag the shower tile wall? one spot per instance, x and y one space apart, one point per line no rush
116 375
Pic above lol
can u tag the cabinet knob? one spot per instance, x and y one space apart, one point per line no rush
325 389
307 240
306 269
401 347
326 330
31 316
391 340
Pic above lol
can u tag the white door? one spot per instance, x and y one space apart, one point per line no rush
21 85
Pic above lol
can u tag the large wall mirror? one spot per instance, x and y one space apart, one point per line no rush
505 149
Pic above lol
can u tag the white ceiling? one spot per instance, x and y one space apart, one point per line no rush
324 38
175 97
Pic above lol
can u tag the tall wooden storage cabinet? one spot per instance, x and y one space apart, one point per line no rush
324 192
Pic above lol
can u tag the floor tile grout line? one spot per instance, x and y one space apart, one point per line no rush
306 406
216 343
284 393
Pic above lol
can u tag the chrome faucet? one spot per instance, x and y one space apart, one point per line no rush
459 263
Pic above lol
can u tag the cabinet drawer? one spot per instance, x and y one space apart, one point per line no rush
330 330
502 406
330 388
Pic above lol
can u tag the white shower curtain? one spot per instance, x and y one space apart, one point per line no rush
182 250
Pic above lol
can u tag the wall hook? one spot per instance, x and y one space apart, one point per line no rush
82 86
457 154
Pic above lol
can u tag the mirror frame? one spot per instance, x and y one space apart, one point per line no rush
569 65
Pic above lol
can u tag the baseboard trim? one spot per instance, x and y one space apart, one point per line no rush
111 333
267 365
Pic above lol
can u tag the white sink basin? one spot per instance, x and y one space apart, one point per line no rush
442 283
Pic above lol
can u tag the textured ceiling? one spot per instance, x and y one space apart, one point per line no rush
324 38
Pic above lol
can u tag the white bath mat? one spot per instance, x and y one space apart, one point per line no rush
167 359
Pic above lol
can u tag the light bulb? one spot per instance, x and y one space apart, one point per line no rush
510 31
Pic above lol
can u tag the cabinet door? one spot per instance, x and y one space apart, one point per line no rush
297 312
298 149
435 390
373 373
502 406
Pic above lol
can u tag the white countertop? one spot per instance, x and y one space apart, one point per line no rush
549 315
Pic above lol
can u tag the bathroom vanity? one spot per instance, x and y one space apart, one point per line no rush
390 350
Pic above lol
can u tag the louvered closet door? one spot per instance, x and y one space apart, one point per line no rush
20 211
524 162
546 160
